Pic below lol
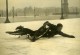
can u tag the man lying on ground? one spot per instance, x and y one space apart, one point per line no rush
47 30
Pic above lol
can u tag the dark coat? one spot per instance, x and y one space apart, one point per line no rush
50 31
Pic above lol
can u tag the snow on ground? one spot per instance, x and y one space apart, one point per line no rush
29 18
12 45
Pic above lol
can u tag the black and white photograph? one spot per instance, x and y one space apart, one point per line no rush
39 27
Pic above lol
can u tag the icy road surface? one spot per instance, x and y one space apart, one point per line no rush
58 45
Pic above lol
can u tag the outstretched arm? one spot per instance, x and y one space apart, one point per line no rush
66 35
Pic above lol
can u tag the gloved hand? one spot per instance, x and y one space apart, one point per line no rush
71 36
